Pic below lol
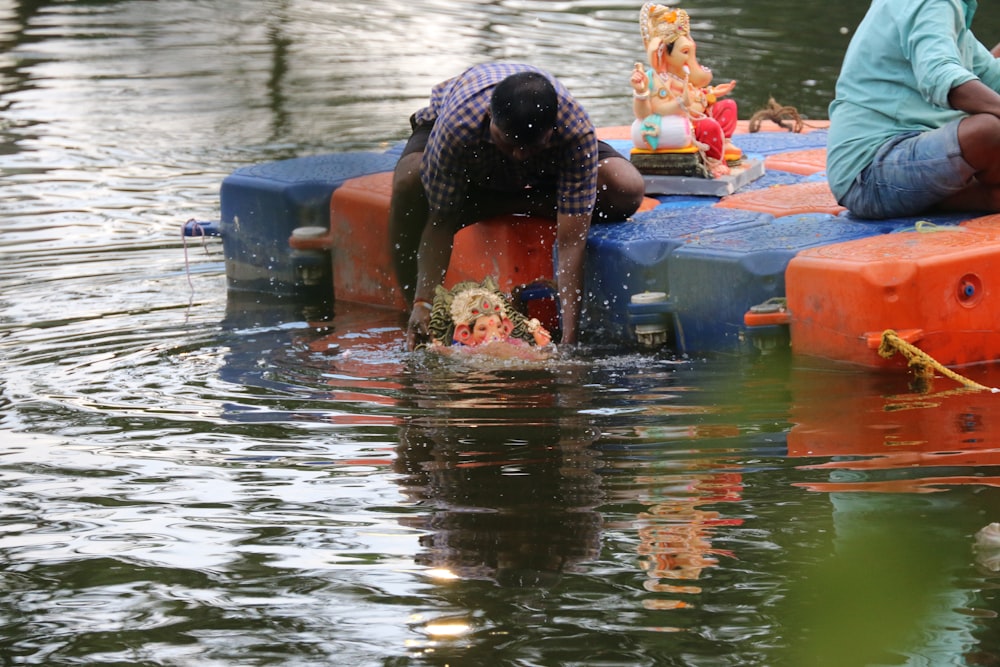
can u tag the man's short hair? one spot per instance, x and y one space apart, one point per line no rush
524 106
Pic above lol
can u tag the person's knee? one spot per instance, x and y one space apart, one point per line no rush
981 125
620 190
407 204
406 175
979 138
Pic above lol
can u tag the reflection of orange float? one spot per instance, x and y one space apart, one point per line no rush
849 421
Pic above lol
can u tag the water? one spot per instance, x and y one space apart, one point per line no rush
193 480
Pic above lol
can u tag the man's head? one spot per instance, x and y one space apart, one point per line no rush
523 113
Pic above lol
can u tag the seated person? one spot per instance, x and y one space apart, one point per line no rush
915 124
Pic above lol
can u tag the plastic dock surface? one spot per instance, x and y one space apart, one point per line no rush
692 263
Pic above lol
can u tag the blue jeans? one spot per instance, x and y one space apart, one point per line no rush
910 173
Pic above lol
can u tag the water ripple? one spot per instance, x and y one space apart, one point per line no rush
190 478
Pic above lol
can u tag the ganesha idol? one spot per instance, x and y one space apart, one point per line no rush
677 111
477 318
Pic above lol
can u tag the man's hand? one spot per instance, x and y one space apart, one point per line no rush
417 328
432 264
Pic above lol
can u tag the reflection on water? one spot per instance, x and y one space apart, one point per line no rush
195 480
897 439
519 511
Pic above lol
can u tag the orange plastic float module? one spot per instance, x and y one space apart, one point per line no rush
516 254
936 285
806 162
779 200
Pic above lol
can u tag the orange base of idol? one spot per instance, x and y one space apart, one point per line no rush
938 289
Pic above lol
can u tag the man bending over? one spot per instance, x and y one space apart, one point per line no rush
502 139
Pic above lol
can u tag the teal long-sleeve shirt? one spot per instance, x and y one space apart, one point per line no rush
902 62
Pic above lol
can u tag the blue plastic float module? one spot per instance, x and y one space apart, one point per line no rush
715 279
261 204
762 144
759 144
712 263
628 258
910 222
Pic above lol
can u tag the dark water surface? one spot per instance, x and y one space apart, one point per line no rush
193 480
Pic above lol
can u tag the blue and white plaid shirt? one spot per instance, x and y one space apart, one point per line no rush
460 151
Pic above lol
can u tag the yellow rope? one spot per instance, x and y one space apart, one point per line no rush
925 226
922 364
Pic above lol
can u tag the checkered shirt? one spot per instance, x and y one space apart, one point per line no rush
460 151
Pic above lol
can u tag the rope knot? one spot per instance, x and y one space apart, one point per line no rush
922 364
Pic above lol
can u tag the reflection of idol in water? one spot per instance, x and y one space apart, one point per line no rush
688 501
676 535
507 501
